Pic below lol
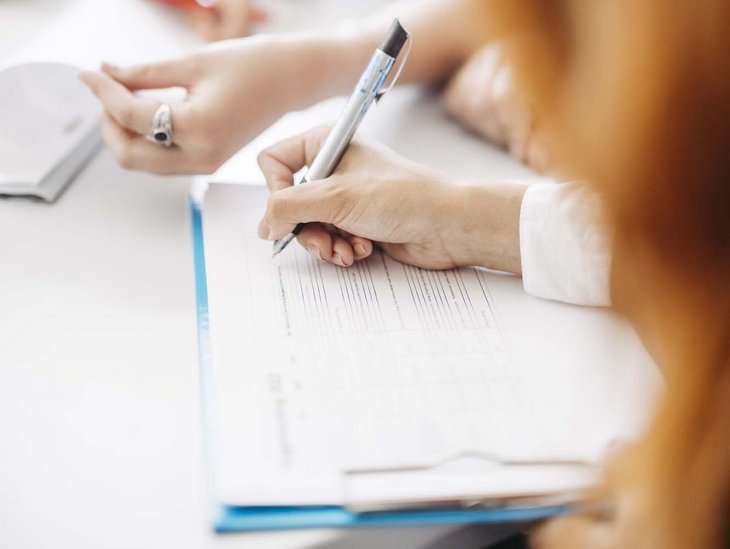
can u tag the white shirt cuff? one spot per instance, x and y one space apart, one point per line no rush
565 248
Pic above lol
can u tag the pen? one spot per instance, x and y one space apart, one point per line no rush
369 89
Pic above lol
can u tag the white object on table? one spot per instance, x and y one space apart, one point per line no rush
49 127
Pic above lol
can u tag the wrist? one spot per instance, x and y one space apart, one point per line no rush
315 66
488 225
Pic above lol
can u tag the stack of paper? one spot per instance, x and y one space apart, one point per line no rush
383 386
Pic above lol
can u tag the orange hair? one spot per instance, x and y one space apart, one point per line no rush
635 98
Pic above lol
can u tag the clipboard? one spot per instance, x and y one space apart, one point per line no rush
226 518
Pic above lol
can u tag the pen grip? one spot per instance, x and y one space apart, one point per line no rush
298 228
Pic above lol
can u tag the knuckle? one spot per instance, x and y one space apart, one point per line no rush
186 122
339 198
125 115
262 157
330 190
277 206
314 140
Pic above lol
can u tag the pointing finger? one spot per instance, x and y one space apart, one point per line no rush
281 161
314 201
166 74
131 112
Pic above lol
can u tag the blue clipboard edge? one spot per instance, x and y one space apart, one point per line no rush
239 519
243 519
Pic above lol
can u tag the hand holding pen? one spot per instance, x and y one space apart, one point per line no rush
368 90
375 197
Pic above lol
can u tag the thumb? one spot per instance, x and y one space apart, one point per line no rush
306 203
166 74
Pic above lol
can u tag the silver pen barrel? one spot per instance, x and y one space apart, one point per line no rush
360 101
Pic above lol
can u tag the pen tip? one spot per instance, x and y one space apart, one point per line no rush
280 244
277 248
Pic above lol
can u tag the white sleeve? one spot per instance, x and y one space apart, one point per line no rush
565 245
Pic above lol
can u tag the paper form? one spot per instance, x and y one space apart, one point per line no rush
320 369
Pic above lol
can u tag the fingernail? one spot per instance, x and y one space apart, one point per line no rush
360 250
337 258
109 66
85 75
315 251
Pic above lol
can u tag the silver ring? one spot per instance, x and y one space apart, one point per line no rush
161 132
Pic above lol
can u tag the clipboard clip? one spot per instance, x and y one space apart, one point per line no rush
485 456
566 499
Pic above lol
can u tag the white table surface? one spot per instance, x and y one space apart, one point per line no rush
100 442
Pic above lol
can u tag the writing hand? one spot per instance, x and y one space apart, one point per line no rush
416 215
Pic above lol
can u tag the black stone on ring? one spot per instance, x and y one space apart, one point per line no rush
162 126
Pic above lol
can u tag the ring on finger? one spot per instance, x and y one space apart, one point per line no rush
161 132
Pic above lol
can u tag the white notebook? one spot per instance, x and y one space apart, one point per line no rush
386 385
49 127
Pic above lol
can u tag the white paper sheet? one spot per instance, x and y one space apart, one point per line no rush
320 369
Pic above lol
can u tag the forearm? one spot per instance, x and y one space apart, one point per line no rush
444 33
315 65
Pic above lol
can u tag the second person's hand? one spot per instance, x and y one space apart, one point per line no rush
484 96
235 89
416 215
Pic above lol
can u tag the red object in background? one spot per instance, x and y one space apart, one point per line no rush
256 15
182 4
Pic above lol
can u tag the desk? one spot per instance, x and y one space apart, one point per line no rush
100 442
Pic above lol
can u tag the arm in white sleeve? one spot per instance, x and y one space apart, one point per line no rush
564 245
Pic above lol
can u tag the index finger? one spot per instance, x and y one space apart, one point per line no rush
128 110
281 161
